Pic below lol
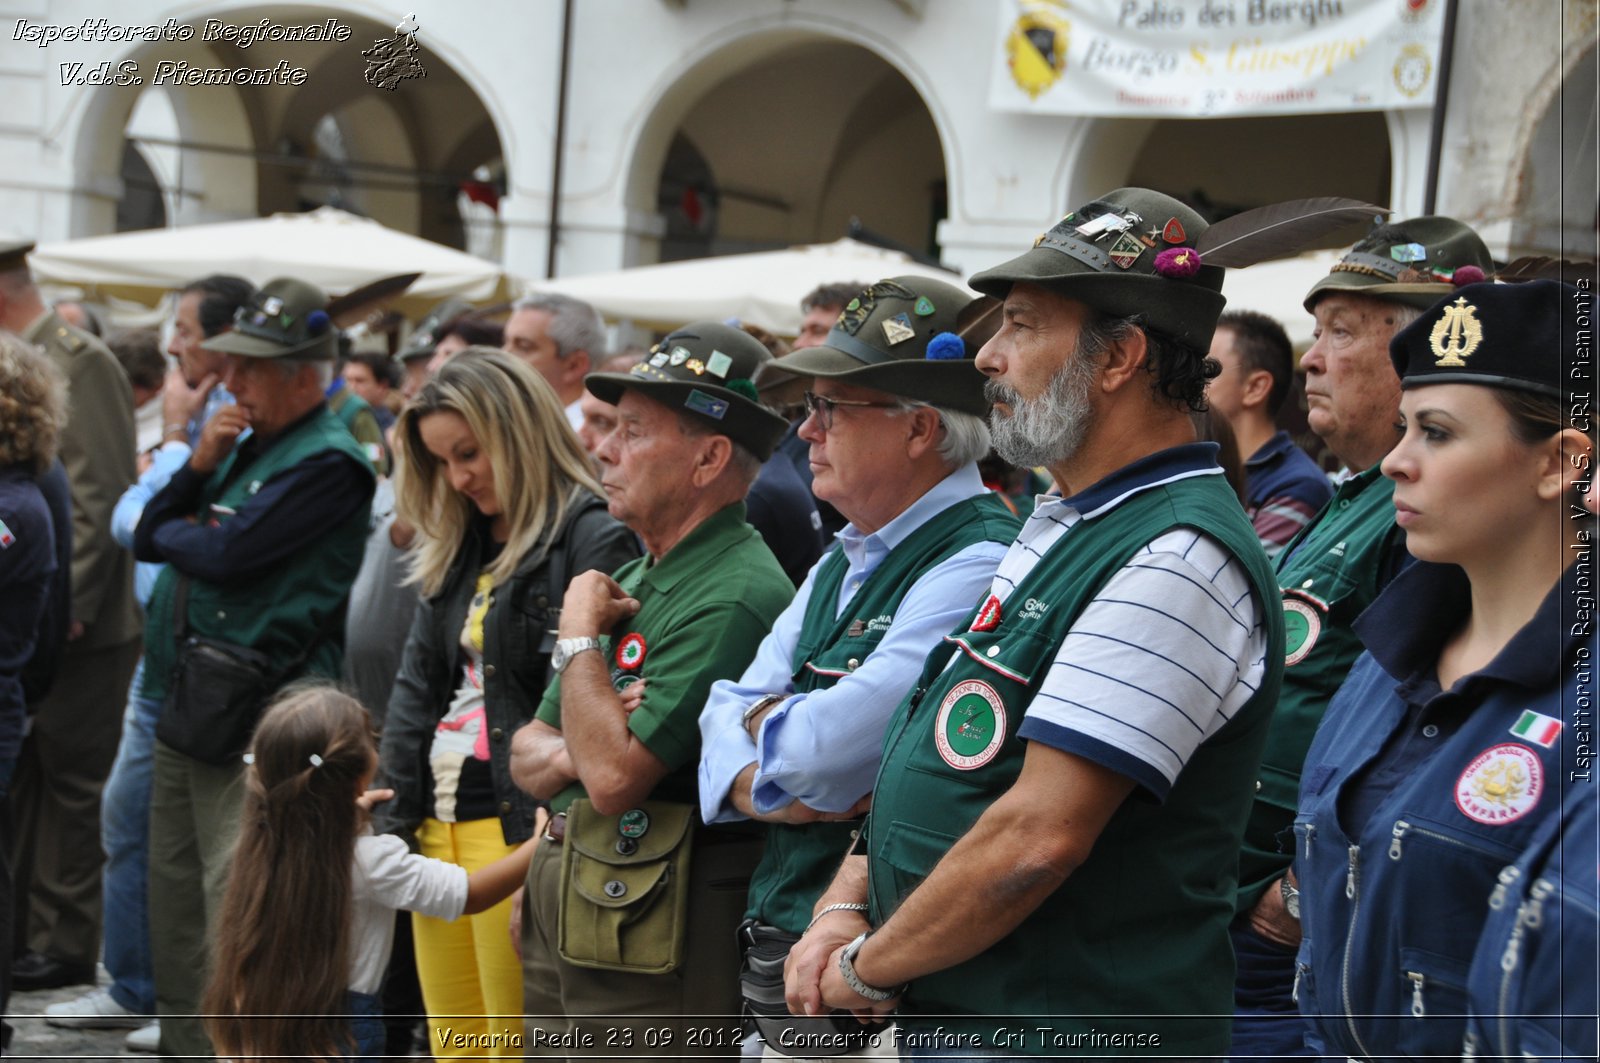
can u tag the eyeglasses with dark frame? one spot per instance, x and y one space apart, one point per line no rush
823 407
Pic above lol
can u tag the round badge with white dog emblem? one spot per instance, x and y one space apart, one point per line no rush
971 725
1502 784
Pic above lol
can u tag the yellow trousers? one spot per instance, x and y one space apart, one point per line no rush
471 977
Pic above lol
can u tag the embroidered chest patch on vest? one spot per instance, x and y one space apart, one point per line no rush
1302 623
1502 784
971 725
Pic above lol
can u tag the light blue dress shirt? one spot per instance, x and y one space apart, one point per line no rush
822 748
166 460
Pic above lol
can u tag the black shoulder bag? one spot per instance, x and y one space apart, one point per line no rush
219 689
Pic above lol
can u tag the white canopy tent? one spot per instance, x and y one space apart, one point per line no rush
330 248
765 288
761 288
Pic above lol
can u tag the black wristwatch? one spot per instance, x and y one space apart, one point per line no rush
1291 898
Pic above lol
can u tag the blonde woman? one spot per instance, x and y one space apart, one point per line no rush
507 511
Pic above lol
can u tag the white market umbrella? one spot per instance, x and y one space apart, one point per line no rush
761 288
330 248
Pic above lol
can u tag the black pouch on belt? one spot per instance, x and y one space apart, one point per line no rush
761 984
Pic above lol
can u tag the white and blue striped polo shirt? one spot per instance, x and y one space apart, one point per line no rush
1164 655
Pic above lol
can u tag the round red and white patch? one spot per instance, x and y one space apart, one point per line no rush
1501 785
630 651
971 725
1302 623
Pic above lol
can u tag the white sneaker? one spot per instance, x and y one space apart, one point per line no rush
146 1038
95 1010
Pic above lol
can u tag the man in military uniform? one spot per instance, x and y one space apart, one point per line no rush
895 427
55 795
262 541
1055 826
689 440
1331 572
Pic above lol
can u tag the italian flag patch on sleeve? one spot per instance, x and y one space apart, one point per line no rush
1537 728
6 538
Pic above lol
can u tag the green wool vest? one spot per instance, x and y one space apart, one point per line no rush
277 612
800 861
1329 574
1140 930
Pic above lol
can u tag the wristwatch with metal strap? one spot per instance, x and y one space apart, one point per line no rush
567 649
847 969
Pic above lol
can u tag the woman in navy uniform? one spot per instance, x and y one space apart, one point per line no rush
1534 987
1450 746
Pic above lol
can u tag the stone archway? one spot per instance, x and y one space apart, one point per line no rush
1556 212
841 134
1223 165
398 157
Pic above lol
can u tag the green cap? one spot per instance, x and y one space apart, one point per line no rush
430 330
285 319
1129 252
704 370
1412 262
899 336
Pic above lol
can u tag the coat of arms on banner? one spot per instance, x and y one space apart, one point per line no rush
1036 47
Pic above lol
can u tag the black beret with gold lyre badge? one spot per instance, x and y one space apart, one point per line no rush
1522 337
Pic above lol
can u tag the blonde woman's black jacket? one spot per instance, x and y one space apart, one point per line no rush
518 636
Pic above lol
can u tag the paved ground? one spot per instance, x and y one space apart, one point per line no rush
35 1040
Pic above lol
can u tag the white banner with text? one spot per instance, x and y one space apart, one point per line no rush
1215 58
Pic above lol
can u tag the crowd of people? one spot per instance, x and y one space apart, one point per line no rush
733 696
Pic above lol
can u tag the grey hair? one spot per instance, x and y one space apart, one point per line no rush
741 460
966 437
290 368
574 324
1403 314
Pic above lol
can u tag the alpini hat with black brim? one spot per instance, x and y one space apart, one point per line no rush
1415 262
1130 252
1519 337
704 371
287 318
430 330
899 336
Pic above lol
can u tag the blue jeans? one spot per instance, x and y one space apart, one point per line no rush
366 1023
125 835
1266 1020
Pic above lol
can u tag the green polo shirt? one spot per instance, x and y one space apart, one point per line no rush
1328 574
703 610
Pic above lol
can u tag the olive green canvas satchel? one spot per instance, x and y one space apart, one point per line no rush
625 887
